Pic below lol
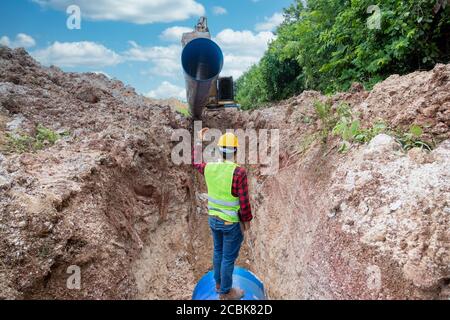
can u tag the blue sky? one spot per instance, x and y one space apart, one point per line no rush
137 41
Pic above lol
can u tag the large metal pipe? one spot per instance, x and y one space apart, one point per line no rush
202 61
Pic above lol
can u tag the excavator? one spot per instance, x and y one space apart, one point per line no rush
202 61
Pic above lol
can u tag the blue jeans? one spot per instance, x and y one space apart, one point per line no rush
227 243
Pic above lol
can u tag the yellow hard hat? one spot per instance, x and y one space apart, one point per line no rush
228 140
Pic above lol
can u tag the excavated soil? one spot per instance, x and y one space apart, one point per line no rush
369 223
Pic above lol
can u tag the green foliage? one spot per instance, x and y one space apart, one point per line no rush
45 135
251 89
365 135
326 116
328 45
345 124
184 111
338 121
352 132
411 139
322 110
348 127
416 130
19 143
22 142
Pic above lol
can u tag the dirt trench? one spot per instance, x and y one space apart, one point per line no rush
134 223
371 223
105 198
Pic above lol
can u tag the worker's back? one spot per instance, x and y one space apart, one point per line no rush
219 181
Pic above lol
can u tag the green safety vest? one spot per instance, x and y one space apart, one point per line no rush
219 180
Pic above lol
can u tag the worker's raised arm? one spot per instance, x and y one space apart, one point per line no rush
196 152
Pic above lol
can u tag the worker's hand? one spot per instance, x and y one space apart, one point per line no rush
201 133
245 226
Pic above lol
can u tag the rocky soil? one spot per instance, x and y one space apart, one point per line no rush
369 223
98 198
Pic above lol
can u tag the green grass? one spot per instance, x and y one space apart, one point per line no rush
411 139
342 122
184 111
22 142
327 118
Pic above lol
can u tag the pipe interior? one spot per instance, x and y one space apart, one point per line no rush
202 59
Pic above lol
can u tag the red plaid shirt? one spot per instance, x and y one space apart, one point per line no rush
239 187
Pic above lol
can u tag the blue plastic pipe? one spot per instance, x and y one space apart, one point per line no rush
242 278
202 61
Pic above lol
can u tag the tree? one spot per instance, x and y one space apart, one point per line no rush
328 45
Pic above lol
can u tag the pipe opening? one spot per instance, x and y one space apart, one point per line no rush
202 59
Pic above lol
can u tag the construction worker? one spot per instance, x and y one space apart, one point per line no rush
228 208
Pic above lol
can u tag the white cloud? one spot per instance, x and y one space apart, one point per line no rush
270 23
135 11
22 40
244 42
219 10
174 33
235 65
167 90
76 54
5 41
139 53
165 60
242 49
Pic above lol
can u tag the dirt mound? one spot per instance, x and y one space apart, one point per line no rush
101 193
93 198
